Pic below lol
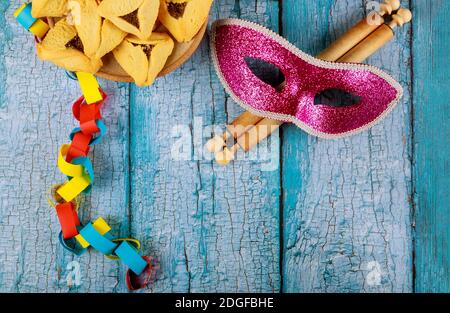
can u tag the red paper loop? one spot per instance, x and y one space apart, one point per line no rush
76 107
79 146
68 218
88 115
135 282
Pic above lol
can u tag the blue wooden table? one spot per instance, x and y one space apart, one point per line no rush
368 213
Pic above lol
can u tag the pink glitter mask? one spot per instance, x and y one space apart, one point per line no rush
233 40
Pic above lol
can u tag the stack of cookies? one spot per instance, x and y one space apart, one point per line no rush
87 30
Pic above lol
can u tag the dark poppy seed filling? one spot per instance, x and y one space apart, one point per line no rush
146 48
75 43
132 18
176 9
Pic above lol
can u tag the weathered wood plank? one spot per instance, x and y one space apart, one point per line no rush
214 228
431 51
35 119
346 202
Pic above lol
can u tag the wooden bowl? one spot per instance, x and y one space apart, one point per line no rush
111 70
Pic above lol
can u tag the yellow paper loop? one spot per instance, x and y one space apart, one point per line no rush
89 87
53 198
100 225
72 188
20 9
79 181
72 170
39 28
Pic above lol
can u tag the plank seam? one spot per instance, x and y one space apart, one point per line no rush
129 158
412 159
281 197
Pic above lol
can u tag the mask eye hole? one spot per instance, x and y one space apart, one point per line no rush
266 72
336 98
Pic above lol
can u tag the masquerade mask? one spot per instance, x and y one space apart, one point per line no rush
234 40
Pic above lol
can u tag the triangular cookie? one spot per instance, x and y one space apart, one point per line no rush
184 18
99 36
63 47
144 59
88 23
111 37
44 8
136 17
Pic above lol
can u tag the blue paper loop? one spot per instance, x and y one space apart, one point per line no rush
71 75
25 18
130 257
71 245
96 240
95 140
99 137
87 165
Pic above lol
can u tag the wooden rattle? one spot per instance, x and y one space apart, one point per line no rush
358 32
378 38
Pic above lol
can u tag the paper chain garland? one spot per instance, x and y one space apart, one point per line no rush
73 162
36 26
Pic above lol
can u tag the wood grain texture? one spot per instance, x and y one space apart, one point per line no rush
346 202
35 119
431 95
313 223
214 228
